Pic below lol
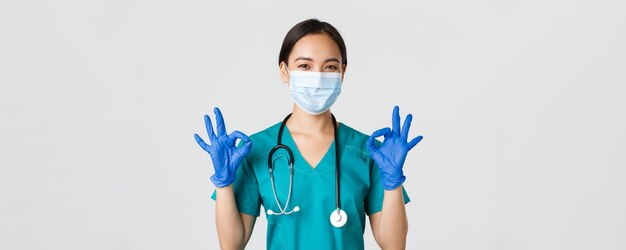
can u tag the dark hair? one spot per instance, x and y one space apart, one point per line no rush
310 26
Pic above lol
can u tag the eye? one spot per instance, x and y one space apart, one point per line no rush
303 66
331 68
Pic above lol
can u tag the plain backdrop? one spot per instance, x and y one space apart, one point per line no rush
521 104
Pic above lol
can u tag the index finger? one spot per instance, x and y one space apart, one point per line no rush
371 145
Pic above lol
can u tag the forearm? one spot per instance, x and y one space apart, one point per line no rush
393 225
230 228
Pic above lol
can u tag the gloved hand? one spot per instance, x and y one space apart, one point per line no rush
225 155
390 155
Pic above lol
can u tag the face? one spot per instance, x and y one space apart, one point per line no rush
314 52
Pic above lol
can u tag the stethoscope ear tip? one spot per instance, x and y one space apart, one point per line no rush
270 212
296 209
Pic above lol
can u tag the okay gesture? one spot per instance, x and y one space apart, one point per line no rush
390 155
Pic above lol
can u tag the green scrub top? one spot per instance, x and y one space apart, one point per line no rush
313 191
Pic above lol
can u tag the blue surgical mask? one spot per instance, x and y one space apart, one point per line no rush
314 91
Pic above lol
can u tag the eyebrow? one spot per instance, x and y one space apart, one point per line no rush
309 59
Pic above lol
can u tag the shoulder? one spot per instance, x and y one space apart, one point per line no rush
354 139
352 133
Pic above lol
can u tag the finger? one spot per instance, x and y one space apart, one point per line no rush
395 120
415 141
209 128
371 146
241 152
246 147
388 134
247 142
238 134
201 142
406 126
382 131
221 127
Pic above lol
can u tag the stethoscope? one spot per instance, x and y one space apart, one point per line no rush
338 217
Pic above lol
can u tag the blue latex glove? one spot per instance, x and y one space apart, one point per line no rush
225 155
390 155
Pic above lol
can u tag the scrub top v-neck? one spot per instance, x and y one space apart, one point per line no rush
313 191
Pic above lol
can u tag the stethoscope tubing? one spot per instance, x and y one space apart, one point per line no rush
278 146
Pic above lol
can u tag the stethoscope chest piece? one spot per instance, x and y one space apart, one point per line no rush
338 218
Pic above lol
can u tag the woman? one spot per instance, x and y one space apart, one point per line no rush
339 174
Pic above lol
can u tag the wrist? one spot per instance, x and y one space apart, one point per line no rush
398 189
223 189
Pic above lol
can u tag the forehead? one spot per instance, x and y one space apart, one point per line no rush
315 46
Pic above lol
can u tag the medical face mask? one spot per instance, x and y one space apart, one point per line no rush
314 91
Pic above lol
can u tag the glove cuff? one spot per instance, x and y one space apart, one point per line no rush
218 182
392 182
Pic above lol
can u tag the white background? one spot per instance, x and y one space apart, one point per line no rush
521 104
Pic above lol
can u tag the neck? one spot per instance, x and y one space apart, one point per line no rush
302 122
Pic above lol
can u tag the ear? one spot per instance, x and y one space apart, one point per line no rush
343 72
284 75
